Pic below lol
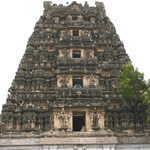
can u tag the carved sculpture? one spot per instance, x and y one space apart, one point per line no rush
92 81
95 118
63 119
44 81
63 81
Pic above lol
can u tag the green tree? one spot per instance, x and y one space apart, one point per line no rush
133 88
146 101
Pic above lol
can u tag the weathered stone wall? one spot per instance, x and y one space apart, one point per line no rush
75 146
71 63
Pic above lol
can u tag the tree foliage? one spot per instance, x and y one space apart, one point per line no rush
146 101
133 88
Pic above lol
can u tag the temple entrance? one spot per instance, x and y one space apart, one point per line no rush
78 121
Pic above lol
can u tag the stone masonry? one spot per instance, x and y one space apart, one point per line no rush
66 85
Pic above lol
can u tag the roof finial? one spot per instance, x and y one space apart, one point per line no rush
86 5
47 4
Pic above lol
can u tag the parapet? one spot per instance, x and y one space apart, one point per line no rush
75 7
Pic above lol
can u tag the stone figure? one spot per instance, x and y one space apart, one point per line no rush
86 6
114 85
29 120
69 18
92 81
102 84
47 4
63 118
63 81
107 85
110 119
85 33
80 18
8 96
88 53
95 118
66 33
66 53
28 124
116 121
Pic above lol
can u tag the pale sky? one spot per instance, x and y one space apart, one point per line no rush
18 18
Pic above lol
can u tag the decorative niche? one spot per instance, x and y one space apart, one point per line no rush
76 53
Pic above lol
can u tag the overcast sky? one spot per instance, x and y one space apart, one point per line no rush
18 18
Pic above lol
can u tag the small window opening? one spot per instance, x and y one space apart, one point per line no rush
78 121
77 82
75 33
76 54
62 18
74 18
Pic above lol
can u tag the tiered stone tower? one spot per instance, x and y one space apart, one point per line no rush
66 84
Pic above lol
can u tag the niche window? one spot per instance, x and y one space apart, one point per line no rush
76 54
78 121
75 33
77 82
74 18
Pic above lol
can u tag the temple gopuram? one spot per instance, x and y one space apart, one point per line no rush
65 91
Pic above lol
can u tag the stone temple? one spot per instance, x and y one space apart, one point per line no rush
64 94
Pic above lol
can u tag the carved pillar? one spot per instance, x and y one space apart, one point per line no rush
33 122
101 119
10 122
40 122
18 123
123 121
106 121
110 121
107 84
131 121
47 121
95 118
116 121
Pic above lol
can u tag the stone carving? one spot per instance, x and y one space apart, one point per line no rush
92 81
89 54
95 118
85 33
47 5
75 6
63 118
69 18
2 125
63 81
28 124
123 120
65 35
86 6
66 53
79 147
37 89
29 120
114 85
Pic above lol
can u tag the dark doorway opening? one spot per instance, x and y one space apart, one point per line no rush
78 121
